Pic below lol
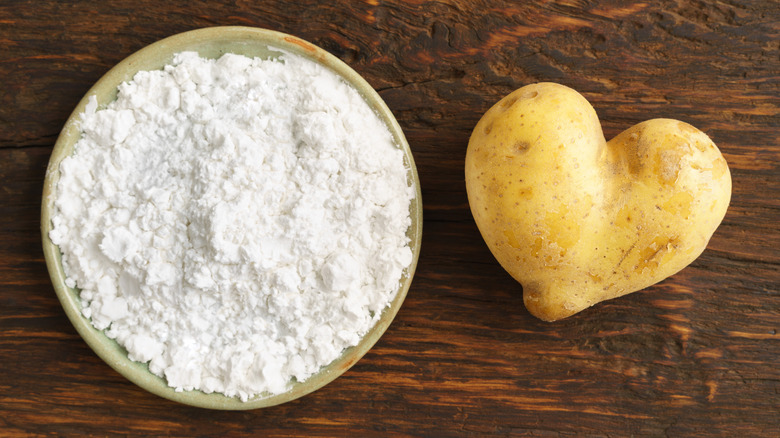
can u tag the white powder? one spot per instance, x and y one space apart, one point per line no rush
235 223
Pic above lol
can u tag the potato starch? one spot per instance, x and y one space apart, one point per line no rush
236 223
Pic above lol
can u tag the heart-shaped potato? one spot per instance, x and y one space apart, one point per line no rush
578 220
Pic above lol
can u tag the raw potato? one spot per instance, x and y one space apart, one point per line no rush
578 220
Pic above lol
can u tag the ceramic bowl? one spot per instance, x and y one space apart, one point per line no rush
212 43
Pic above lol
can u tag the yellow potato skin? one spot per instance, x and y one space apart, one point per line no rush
578 220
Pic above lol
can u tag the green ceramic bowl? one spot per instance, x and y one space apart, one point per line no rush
212 43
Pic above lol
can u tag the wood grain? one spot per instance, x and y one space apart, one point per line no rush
696 355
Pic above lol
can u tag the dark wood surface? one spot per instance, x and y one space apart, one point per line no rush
696 355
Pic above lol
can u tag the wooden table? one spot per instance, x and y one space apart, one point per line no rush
696 355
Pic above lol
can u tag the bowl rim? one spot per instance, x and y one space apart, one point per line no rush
211 42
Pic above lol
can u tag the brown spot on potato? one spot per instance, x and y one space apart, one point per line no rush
526 193
529 94
488 128
625 255
521 146
623 218
509 101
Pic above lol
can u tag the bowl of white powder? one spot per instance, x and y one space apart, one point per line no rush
231 218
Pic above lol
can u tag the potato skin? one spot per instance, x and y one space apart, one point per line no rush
577 220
